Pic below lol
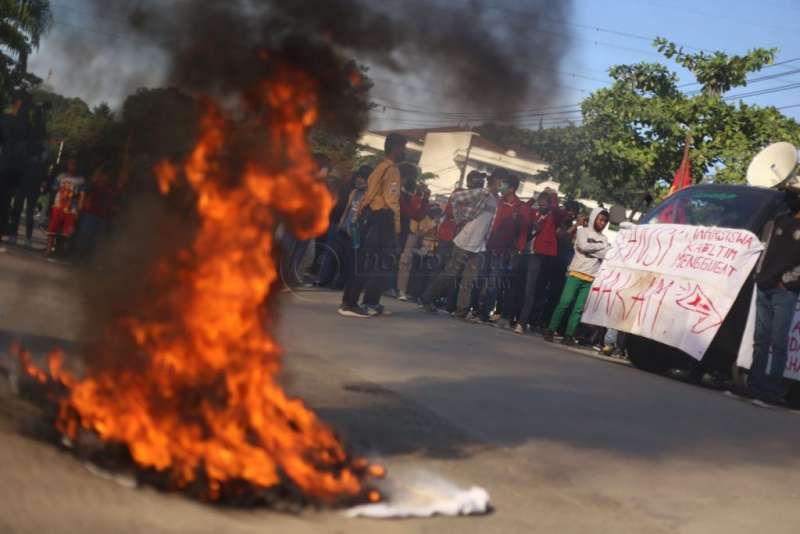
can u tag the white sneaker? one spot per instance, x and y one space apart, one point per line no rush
519 329
402 297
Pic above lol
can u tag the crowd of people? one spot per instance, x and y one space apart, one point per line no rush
48 188
484 256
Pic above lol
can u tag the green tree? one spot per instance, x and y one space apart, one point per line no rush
565 150
638 127
22 25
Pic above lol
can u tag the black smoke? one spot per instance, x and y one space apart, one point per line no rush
495 55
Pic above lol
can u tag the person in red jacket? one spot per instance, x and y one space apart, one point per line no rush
542 255
414 200
505 246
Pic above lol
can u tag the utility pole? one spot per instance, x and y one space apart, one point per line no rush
466 161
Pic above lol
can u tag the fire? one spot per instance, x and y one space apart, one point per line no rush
205 405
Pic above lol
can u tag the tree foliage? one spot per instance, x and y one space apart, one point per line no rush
22 25
638 127
634 132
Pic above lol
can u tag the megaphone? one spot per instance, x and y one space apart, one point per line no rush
774 167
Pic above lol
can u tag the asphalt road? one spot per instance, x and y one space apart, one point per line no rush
563 442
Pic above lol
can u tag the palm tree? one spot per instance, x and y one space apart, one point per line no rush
22 25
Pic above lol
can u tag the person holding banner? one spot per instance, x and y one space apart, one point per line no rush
590 249
778 286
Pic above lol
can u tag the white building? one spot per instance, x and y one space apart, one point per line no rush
446 151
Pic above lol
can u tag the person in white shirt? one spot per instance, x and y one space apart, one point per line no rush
475 209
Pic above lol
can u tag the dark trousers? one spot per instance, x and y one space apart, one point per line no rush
376 260
8 183
539 268
774 312
513 299
26 194
500 271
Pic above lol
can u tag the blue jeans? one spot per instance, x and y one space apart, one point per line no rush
774 313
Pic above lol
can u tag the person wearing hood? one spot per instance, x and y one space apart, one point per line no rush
590 249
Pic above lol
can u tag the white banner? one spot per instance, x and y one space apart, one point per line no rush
672 283
745 358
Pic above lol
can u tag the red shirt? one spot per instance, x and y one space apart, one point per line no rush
448 227
511 225
413 206
99 201
546 240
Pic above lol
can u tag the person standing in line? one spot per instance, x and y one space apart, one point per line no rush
542 256
590 249
475 209
446 232
70 192
348 233
413 207
504 247
423 260
378 222
777 289
555 279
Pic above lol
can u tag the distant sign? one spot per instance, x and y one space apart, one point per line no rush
672 283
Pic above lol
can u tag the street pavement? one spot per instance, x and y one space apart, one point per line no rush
563 441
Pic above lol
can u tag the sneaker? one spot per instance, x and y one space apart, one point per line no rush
402 297
569 341
376 309
353 311
429 307
476 319
740 392
519 329
607 350
548 336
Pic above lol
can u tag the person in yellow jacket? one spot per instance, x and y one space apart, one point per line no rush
378 221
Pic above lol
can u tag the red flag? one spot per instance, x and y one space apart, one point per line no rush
683 176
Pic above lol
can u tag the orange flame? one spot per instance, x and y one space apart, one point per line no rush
206 405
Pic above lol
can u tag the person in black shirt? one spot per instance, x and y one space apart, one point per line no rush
778 285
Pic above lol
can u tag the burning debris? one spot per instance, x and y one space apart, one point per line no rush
198 404
182 380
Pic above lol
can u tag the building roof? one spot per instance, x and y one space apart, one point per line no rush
418 135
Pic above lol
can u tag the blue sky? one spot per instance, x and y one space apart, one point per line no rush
604 33
607 32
